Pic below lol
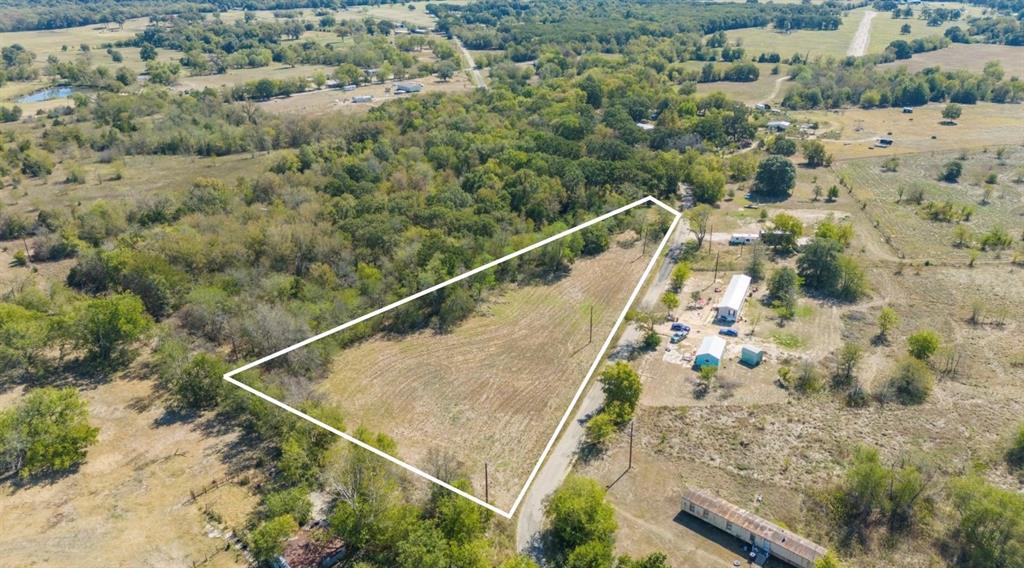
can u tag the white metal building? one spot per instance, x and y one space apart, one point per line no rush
732 300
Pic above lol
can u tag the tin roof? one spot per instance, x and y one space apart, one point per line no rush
736 292
712 345
776 535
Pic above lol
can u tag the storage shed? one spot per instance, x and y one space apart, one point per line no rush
710 352
751 356
732 300
768 538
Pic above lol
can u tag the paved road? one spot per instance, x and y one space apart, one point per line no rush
859 43
563 453
474 74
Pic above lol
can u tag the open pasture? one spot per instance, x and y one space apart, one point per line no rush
884 29
764 89
493 389
905 224
970 57
129 504
851 133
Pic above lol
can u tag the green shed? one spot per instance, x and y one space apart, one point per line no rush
751 356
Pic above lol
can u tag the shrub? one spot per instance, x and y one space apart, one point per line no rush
911 383
951 171
923 344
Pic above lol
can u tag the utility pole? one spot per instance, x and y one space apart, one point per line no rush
716 266
711 234
630 466
487 485
591 324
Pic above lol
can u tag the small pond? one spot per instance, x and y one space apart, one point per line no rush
46 95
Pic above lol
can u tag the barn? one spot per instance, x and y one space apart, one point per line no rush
766 537
732 300
710 352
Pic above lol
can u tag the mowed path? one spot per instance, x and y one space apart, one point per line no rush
861 40
493 390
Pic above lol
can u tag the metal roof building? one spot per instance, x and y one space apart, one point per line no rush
767 537
732 300
710 352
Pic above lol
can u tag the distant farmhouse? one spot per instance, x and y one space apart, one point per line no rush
768 539
732 300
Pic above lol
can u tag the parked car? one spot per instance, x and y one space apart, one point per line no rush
680 327
676 338
729 331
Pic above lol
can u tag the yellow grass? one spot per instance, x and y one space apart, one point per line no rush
493 390
971 57
129 503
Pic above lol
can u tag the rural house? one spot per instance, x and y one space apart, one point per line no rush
732 300
710 352
766 537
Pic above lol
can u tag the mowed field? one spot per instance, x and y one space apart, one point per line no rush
970 57
764 89
884 29
129 504
493 390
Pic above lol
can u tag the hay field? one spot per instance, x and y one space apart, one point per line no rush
971 57
129 503
492 390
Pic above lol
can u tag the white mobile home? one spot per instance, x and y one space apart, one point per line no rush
767 537
732 300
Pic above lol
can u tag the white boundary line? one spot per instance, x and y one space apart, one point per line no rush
229 376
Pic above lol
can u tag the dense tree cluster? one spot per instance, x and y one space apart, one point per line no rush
830 84
524 28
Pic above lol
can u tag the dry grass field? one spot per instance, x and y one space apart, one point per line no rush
852 133
752 92
884 30
971 57
142 176
129 504
492 390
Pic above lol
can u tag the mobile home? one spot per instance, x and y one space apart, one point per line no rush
732 300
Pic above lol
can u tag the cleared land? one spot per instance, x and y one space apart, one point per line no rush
129 504
971 57
335 100
852 133
748 92
884 29
492 390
